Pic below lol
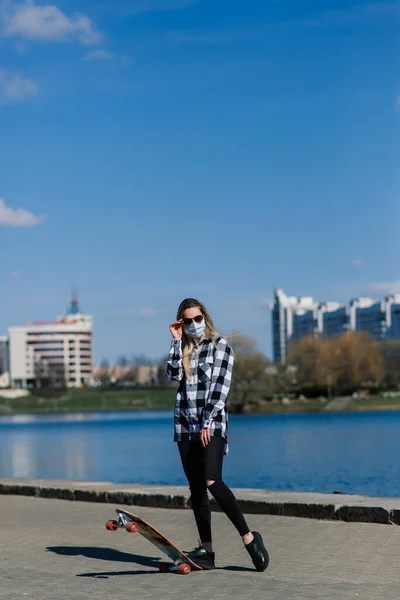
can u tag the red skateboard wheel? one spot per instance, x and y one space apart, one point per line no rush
132 527
184 569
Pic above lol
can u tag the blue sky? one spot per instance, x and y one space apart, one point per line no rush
157 149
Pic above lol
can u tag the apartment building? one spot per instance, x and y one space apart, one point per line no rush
368 315
282 314
332 318
295 317
393 316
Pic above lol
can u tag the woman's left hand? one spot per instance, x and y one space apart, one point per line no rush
205 436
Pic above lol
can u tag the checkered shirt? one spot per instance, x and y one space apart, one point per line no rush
201 403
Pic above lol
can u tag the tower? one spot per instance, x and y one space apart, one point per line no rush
74 306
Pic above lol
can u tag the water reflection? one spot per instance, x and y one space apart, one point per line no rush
351 453
26 454
85 417
23 460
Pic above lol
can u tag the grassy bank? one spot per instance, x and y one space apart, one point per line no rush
82 400
375 403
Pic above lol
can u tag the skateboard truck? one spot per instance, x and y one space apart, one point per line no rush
122 523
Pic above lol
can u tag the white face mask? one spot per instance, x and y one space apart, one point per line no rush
196 330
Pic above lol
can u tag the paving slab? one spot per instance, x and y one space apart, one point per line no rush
54 549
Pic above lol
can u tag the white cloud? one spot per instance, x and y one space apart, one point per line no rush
18 217
108 58
98 55
357 263
148 312
15 87
30 21
392 287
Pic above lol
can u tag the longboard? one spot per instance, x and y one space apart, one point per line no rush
132 523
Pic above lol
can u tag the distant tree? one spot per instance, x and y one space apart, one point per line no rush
140 360
345 362
161 371
250 382
104 372
127 371
359 361
56 377
310 357
391 363
122 361
40 374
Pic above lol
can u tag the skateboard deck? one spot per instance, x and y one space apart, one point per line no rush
133 524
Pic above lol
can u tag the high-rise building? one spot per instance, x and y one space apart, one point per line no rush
294 318
305 320
333 318
368 315
282 310
393 316
61 349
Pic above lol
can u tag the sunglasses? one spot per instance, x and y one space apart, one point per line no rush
196 319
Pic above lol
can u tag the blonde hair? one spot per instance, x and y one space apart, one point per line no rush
188 344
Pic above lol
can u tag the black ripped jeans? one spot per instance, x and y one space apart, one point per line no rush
202 464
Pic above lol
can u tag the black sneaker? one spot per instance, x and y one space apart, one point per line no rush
258 552
202 557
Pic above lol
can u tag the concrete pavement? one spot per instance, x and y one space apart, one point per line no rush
55 549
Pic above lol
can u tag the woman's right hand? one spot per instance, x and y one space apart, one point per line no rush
176 329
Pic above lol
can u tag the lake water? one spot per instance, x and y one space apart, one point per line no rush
348 452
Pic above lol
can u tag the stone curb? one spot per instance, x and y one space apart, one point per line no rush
334 507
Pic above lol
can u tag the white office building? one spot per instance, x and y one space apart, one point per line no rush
65 346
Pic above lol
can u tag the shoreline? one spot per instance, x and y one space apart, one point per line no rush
101 410
106 400
332 507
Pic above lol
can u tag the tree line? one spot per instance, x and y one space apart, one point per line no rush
346 363
127 369
315 366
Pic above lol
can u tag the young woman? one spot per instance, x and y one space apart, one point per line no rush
202 362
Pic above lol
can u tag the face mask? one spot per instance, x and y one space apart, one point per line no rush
196 330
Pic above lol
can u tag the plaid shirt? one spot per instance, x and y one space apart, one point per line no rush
201 403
